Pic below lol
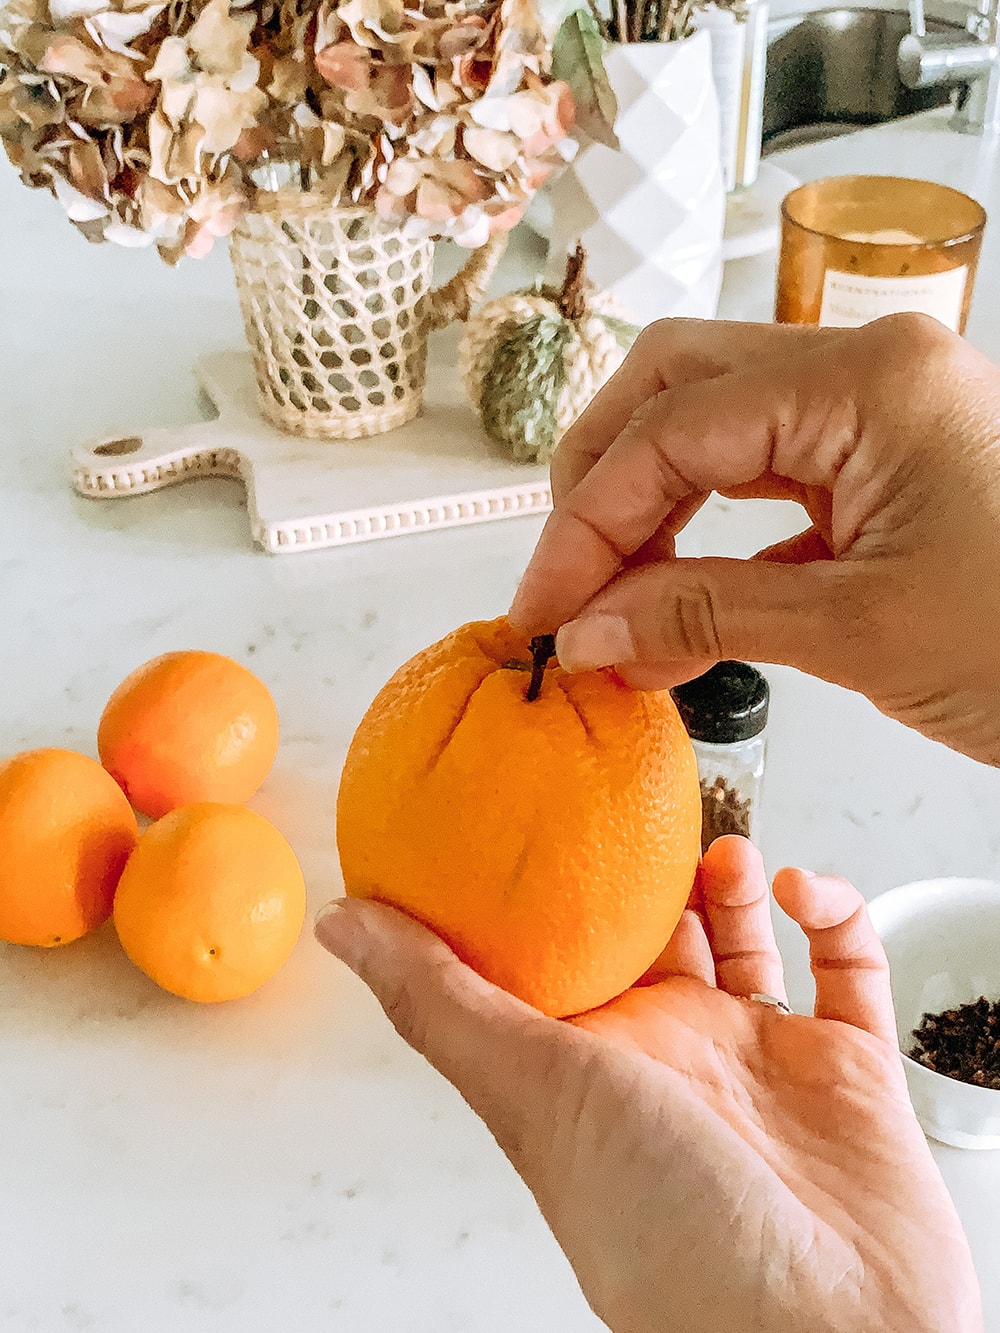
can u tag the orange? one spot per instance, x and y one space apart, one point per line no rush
66 831
211 902
188 726
552 843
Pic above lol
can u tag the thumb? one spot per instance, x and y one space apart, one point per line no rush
502 1055
664 623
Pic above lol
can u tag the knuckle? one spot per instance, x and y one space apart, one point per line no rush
657 337
909 341
691 622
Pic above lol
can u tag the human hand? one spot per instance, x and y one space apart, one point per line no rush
706 1162
888 436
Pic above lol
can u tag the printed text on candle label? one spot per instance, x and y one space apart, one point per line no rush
850 300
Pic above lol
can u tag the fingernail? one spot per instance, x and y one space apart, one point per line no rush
341 930
594 641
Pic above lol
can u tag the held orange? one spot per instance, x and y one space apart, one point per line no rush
188 726
66 831
211 902
551 842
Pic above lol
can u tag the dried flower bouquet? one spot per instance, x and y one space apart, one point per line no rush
157 123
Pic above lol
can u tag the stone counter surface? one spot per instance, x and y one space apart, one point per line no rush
285 1162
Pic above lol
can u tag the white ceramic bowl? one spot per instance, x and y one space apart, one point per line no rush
942 938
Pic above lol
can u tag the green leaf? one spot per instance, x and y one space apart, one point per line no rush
519 393
578 59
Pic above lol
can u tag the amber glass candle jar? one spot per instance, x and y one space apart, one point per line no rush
854 248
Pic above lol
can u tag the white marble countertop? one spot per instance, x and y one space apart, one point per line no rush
285 1162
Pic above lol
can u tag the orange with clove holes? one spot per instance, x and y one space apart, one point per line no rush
551 842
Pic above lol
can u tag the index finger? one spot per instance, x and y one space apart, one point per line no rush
666 355
794 420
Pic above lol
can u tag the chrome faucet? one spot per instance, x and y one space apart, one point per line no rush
972 58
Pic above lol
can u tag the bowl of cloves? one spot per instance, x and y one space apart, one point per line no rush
942 939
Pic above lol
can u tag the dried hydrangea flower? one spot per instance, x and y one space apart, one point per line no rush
158 123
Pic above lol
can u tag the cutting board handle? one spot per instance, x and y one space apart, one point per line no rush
116 465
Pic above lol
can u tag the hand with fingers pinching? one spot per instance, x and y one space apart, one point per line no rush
889 438
706 1161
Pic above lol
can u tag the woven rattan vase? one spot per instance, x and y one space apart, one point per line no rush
337 306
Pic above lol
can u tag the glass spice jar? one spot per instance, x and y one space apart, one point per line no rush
725 713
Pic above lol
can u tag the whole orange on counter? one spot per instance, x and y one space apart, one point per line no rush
211 902
66 831
551 841
188 726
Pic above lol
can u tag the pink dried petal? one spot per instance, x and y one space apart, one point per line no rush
345 65
536 174
66 54
390 206
388 96
461 177
198 240
130 96
436 202
504 217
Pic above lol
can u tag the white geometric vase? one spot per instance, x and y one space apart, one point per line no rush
651 213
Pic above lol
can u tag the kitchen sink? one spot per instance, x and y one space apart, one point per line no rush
834 70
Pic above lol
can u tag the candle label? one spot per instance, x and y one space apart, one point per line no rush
851 299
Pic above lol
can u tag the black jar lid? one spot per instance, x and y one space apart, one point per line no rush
725 705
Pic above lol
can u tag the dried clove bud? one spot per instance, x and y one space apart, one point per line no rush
723 811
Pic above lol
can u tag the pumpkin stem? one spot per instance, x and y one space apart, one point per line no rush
572 300
543 647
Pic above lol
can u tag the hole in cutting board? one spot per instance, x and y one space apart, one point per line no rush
128 444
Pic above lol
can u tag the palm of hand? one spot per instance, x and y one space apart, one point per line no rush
806 1123
707 1163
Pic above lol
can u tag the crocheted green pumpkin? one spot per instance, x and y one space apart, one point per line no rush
531 361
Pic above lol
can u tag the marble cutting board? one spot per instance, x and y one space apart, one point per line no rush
439 471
